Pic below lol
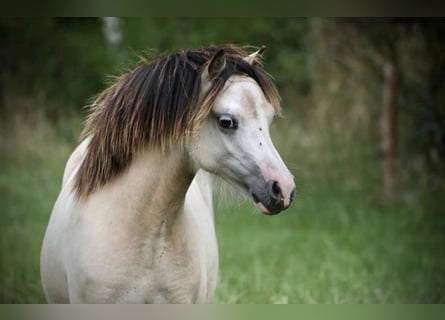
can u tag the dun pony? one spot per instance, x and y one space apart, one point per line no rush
134 219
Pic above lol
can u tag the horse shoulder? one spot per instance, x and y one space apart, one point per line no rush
74 161
54 247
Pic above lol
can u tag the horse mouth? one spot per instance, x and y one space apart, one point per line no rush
266 203
264 208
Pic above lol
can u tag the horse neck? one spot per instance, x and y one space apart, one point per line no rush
152 189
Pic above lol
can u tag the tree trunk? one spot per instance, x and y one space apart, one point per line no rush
388 128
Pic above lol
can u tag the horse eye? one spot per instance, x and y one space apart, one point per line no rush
226 121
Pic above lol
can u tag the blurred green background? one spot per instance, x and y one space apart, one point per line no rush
348 237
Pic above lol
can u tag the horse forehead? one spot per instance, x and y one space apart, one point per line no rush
244 92
244 88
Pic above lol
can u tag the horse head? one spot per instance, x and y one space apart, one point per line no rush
234 142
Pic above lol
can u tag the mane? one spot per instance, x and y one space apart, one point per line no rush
156 105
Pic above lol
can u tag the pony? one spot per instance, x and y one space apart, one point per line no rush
134 219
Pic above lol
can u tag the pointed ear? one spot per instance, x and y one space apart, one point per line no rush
254 58
215 66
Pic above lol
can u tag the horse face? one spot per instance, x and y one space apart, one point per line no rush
234 143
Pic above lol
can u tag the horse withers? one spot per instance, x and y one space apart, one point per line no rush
134 218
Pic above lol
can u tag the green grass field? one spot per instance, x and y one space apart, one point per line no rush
337 243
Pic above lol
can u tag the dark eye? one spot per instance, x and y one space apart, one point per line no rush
226 121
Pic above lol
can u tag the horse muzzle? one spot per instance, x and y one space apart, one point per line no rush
272 199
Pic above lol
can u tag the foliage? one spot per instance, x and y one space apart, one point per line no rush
58 61
347 71
327 69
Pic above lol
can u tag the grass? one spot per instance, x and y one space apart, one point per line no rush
336 244
329 251
26 197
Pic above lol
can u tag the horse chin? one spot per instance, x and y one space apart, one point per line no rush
264 210
260 206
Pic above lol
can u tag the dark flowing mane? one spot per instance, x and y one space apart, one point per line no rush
156 105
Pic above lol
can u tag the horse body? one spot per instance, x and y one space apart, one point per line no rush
134 219
115 247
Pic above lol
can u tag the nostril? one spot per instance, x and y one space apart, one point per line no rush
292 195
275 192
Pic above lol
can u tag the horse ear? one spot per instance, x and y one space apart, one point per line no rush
216 65
254 58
